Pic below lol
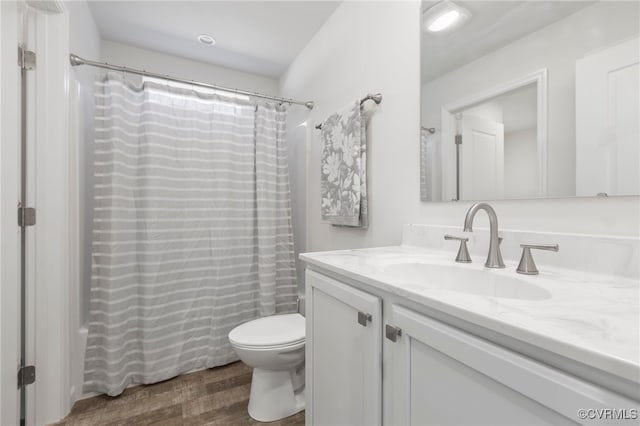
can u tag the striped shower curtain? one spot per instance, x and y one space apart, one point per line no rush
191 232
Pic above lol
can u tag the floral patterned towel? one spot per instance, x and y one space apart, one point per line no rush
344 172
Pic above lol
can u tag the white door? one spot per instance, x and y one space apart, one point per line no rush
10 35
343 354
444 376
607 121
481 159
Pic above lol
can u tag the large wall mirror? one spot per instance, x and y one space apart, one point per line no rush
529 99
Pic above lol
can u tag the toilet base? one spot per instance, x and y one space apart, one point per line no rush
273 396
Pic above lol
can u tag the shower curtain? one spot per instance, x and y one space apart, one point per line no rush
191 233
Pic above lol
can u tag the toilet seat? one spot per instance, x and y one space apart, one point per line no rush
273 332
293 345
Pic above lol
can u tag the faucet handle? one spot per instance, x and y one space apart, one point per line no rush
453 237
463 253
527 266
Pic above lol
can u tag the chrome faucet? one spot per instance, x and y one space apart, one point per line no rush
494 258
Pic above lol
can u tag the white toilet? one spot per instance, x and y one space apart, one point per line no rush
274 347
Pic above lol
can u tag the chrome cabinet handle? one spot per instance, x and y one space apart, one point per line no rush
463 252
527 266
392 333
363 318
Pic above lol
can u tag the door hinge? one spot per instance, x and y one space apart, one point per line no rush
26 216
458 139
26 58
26 375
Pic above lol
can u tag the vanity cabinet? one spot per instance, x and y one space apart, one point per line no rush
434 373
343 354
443 375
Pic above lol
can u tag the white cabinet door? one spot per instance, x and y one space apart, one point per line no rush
481 159
444 376
607 123
343 354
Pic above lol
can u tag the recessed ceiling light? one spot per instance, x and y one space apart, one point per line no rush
445 15
206 39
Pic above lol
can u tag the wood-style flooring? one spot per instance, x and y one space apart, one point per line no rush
218 396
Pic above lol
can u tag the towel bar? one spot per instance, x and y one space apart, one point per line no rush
377 98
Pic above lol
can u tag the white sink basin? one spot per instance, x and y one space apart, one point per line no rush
471 281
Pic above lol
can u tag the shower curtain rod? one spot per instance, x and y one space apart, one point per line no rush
77 60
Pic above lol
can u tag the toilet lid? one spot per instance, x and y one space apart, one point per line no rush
275 330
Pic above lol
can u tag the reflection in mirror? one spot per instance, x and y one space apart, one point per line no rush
530 99
502 133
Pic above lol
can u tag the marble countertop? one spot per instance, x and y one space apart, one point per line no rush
594 319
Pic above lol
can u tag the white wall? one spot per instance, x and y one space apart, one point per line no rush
491 110
149 60
365 47
520 171
374 46
555 47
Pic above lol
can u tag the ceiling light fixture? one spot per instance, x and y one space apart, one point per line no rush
444 16
206 39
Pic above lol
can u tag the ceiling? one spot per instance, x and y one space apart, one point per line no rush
493 24
260 37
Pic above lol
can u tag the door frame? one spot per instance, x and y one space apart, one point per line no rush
48 241
448 123
9 230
